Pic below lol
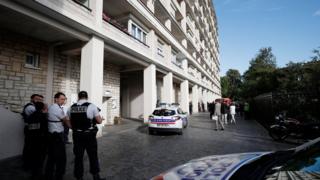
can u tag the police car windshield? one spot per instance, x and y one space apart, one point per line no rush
164 112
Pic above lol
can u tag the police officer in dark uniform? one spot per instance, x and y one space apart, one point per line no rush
83 117
28 109
37 132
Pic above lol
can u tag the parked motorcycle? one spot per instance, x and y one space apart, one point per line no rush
286 126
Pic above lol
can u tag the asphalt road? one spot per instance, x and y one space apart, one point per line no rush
127 151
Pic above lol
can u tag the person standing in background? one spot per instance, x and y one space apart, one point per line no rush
233 112
217 112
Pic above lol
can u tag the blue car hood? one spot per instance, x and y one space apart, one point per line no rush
211 167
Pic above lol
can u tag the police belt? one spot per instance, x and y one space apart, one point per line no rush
91 129
34 126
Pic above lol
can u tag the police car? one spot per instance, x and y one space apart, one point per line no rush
302 162
168 118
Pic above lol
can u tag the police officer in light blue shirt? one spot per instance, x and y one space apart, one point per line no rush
83 117
56 163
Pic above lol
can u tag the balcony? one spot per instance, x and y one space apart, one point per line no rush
164 14
120 27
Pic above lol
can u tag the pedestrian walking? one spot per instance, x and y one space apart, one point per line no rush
224 112
211 109
84 116
202 106
56 163
233 112
190 108
37 132
246 110
217 112
28 109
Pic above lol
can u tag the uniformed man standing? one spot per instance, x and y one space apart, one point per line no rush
83 117
28 109
56 163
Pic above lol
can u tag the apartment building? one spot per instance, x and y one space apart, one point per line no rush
128 54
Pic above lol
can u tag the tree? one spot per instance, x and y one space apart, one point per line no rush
234 79
259 77
231 84
316 56
224 86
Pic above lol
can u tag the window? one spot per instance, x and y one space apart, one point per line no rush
190 33
164 112
160 48
84 3
180 111
32 60
133 30
138 33
173 10
174 58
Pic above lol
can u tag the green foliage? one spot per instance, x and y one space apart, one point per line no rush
231 84
225 86
259 78
316 56
298 84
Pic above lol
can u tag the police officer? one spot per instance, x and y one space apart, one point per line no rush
83 117
56 163
37 132
28 109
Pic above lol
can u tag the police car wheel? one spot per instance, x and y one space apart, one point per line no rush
151 132
186 125
180 132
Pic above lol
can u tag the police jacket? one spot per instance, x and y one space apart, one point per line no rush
37 123
79 118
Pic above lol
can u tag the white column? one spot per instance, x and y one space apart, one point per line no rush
149 91
184 14
150 5
167 23
184 88
168 88
98 12
152 42
184 43
200 94
195 98
185 65
91 74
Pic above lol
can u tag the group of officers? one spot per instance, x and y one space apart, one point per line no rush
44 136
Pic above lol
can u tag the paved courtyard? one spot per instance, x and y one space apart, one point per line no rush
126 151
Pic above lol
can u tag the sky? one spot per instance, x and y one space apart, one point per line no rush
290 27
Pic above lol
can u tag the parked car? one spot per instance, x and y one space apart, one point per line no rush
168 118
302 162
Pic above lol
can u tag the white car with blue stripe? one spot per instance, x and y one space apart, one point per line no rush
168 118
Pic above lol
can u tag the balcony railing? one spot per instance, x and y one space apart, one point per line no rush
119 26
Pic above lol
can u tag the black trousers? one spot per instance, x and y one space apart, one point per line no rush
38 150
85 141
56 164
26 153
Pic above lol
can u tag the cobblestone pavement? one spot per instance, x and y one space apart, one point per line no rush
127 152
